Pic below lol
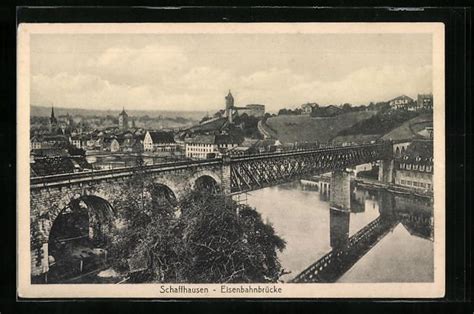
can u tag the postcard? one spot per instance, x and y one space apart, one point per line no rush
231 160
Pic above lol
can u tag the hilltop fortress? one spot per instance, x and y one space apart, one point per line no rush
255 110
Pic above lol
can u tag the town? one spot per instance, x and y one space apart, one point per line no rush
65 144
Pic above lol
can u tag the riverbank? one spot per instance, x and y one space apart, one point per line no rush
372 184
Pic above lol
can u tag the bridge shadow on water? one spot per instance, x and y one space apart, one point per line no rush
347 251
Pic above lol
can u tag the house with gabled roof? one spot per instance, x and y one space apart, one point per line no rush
401 102
159 141
210 146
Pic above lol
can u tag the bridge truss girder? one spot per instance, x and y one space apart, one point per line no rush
256 172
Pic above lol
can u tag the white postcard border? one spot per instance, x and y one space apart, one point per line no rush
288 290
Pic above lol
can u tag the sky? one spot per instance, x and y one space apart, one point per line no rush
196 71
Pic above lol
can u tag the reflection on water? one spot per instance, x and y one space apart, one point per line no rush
402 252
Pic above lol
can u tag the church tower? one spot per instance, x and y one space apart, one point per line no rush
53 122
123 120
229 106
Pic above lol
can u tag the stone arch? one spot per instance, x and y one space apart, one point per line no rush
84 222
206 184
100 207
49 213
203 174
171 186
162 194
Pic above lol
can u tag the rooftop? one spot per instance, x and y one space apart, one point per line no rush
162 137
401 97
213 139
419 151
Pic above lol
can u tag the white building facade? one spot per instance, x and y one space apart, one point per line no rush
159 142
209 146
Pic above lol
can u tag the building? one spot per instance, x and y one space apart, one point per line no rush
201 147
110 144
123 120
414 168
94 142
209 146
35 142
132 146
53 122
229 106
427 132
401 102
49 141
80 141
255 146
309 107
252 110
130 143
425 102
159 142
226 142
361 168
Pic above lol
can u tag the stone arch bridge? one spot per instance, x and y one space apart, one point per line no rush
50 195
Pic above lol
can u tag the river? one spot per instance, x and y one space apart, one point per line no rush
301 216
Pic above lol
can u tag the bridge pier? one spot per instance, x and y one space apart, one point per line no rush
387 203
226 175
338 228
340 196
386 171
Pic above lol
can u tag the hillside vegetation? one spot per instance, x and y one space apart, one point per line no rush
303 128
381 123
410 128
401 130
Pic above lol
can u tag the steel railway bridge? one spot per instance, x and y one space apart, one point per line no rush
247 173
259 171
50 195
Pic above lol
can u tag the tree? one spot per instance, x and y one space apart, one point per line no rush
228 244
347 107
74 151
212 239
298 111
282 112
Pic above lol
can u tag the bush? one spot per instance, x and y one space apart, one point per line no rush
213 240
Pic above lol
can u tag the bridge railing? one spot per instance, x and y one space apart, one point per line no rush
117 172
293 152
126 171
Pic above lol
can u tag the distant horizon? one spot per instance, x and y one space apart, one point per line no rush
290 106
118 109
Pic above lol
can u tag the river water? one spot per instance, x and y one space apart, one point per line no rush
302 217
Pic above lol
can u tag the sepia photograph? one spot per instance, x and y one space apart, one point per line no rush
256 160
